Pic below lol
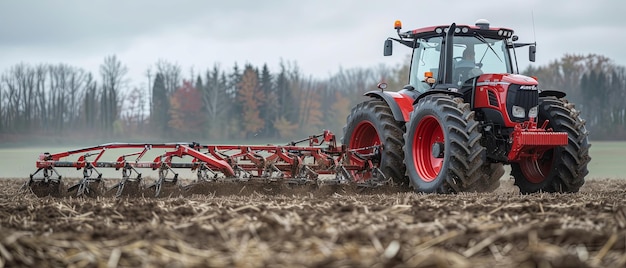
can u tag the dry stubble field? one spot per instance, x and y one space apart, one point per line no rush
342 229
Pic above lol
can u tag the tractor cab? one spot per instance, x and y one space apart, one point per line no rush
448 56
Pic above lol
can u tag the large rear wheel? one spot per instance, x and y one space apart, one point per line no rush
562 169
442 149
372 123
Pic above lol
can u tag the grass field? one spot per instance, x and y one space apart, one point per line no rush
607 161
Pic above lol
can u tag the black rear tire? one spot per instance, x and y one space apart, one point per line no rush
442 149
371 122
562 169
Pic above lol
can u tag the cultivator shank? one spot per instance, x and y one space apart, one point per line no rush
291 165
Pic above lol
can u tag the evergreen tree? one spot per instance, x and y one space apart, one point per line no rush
160 107
287 105
269 111
234 117
201 88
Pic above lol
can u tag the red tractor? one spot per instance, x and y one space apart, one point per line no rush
466 112
451 129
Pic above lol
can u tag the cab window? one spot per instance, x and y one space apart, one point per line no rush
425 59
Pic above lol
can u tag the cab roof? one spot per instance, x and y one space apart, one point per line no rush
461 30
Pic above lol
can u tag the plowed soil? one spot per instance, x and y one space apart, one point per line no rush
335 229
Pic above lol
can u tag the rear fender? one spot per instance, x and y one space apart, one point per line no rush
401 105
437 91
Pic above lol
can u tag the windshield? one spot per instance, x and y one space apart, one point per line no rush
490 55
472 56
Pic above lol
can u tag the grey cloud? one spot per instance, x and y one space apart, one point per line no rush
321 35
39 23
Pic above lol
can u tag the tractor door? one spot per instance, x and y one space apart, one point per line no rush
425 60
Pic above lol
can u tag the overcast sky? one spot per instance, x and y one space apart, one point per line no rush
321 36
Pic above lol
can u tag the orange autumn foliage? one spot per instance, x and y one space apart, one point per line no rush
186 116
251 96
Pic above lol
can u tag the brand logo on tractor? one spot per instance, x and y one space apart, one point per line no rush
528 87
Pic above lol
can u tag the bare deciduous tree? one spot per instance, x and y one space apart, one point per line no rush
113 75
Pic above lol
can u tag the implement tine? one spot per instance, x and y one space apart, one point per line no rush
85 187
127 181
164 180
30 180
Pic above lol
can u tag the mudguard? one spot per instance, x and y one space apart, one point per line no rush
437 91
401 104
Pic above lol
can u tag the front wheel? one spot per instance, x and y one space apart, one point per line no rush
442 149
562 169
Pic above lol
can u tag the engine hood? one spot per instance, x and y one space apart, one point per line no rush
506 79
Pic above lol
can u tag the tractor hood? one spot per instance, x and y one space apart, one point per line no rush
506 79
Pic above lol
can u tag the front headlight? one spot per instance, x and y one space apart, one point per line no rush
533 112
518 112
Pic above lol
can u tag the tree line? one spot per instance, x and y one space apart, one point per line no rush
217 104
597 87
246 102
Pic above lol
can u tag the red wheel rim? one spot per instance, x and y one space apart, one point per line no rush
536 170
364 135
428 132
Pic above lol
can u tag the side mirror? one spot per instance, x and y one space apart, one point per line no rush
532 50
388 47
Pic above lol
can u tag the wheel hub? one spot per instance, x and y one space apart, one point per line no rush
536 169
438 150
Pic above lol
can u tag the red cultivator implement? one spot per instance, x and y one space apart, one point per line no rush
263 165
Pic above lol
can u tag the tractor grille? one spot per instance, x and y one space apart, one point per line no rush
525 98
493 100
